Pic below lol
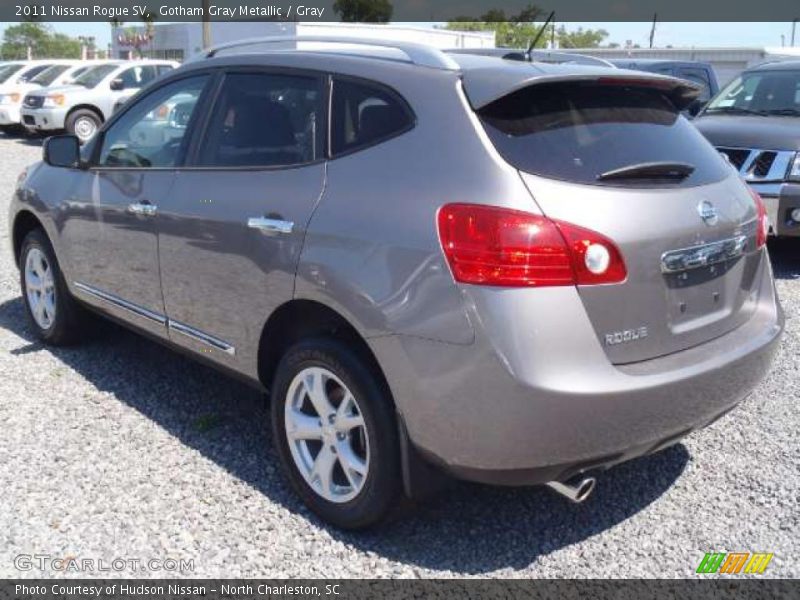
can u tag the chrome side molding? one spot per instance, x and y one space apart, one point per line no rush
154 317
703 256
201 337
130 307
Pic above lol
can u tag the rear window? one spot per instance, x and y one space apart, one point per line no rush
579 131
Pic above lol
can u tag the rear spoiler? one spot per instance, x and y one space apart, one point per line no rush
483 89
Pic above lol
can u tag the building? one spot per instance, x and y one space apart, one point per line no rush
180 41
727 62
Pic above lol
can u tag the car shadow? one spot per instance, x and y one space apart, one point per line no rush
467 529
785 255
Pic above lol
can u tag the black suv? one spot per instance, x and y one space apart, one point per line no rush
755 123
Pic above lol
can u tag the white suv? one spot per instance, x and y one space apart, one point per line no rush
17 78
83 106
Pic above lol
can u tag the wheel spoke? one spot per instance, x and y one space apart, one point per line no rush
315 388
304 427
38 312
347 417
323 469
33 283
49 304
354 467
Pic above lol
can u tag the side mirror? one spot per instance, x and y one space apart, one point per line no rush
62 151
696 107
117 85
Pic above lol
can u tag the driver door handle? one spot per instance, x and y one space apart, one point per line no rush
271 226
144 209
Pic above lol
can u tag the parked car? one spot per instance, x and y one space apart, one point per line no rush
16 80
755 123
699 73
80 108
510 273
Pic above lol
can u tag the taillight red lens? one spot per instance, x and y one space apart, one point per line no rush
487 245
762 225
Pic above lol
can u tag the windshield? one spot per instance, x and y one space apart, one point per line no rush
6 71
760 92
49 75
94 76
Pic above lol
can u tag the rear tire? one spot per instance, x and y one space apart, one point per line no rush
83 123
345 463
55 316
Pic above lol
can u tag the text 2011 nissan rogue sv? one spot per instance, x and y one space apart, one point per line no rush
514 273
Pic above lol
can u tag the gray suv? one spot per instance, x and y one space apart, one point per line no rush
435 264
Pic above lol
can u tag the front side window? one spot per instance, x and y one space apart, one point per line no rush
364 115
137 77
265 120
152 133
760 92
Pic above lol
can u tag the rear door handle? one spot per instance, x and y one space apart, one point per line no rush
144 209
271 226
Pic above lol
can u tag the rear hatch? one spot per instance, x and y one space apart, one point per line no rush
613 154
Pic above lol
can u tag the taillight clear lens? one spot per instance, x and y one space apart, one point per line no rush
486 245
762 225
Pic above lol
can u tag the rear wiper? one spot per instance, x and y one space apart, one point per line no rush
654 170
734 110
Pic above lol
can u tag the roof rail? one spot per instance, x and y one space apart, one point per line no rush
418 54
536 55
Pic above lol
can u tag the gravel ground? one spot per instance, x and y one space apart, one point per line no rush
121 448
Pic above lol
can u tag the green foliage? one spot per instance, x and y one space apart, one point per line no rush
363 11
40 39
518 31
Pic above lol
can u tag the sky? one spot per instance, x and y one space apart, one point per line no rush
675 34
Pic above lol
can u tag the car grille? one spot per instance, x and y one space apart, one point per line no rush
758 166
34 101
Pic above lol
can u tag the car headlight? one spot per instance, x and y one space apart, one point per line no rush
12 98
794 170
54 101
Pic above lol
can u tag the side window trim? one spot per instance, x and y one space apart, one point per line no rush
412 116
192 129
193 154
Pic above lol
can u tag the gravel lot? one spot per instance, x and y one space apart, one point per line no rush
123 449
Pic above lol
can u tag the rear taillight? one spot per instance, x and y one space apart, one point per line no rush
486 245
762 224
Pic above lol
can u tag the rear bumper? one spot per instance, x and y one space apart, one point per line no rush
538 401
781 199
44 119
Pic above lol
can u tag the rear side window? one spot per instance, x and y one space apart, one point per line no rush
364 115
265 120
579 131
698 76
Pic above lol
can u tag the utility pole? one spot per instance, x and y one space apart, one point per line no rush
206 25
794 27
653 30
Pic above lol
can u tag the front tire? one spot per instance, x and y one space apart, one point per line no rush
335 432
55 316
84 124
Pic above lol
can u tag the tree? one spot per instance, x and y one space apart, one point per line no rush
364 11
518 31
39 40
580 38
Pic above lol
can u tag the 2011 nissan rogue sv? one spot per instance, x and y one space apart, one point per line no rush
512 273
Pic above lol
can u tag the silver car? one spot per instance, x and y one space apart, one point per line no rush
435 264
88 101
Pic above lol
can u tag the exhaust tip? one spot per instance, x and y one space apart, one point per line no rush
575 491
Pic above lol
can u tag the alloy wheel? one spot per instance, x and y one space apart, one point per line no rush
327 435
40 288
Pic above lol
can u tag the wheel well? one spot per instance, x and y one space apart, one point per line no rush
94 109
23 225
301 319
